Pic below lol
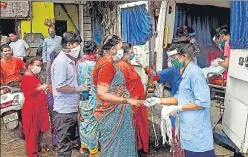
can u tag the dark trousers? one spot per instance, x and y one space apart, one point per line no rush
199 154
66 124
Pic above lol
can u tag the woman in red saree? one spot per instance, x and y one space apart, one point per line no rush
34 111
136 89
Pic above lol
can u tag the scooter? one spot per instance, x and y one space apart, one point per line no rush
12 100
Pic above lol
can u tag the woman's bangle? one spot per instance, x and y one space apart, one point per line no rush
125 101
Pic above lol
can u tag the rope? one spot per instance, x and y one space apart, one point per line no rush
153 124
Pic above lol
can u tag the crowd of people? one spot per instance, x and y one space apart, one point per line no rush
97 94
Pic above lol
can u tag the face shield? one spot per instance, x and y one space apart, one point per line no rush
218 40
171 54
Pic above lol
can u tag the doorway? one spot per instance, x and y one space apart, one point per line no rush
7 26
60 27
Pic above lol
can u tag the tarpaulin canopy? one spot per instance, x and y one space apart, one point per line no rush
239 25
136 25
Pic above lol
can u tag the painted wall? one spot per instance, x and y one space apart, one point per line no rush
40 12
60 14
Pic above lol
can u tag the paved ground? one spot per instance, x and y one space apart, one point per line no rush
11 146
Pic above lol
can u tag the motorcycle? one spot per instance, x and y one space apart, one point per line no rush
12 100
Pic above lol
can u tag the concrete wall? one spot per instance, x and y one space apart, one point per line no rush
40 12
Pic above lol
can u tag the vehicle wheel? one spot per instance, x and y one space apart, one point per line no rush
12 125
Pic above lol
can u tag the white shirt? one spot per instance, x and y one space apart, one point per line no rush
19 48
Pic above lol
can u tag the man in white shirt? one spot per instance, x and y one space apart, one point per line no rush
19 47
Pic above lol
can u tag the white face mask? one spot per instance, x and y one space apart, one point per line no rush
118 55
36 69
75 52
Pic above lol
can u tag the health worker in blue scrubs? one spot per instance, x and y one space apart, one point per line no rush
192 103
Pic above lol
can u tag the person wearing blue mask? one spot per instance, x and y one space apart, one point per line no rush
136 89
192 103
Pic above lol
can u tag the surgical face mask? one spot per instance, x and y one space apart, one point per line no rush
75 52
176 63
132 56
52 34
36 69
118 56
222 43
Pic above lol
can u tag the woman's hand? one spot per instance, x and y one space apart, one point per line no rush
43 87
80 119
138 103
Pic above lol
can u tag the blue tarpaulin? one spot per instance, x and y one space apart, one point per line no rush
136 25
239 25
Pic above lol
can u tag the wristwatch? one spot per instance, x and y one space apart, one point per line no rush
125 100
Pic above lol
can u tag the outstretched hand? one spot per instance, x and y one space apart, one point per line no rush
152 101
138 103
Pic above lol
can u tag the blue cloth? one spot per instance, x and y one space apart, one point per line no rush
239 25
63 72
136 25
173 77
195 126
49 44
97 30
199 154
116 128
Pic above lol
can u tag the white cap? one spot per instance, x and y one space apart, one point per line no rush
172 52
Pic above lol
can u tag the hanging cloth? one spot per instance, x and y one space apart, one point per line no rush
239 25
198 31
208 34
136 25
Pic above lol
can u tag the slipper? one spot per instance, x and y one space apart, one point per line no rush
43 150
84 151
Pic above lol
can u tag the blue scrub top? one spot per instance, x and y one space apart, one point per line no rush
195 126
172 76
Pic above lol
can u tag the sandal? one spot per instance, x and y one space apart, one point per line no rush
43 150
84 151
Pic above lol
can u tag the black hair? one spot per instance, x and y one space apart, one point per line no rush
127 46
12 32
110 41
223 30
70 37
4 46
226 32
31 60
185 48
89 46
190 50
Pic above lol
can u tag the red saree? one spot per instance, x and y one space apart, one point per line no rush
140 115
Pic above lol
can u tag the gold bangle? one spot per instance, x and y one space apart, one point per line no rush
125 100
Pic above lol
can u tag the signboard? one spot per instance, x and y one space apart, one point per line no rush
15 9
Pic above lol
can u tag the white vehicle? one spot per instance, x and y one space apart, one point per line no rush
12 100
